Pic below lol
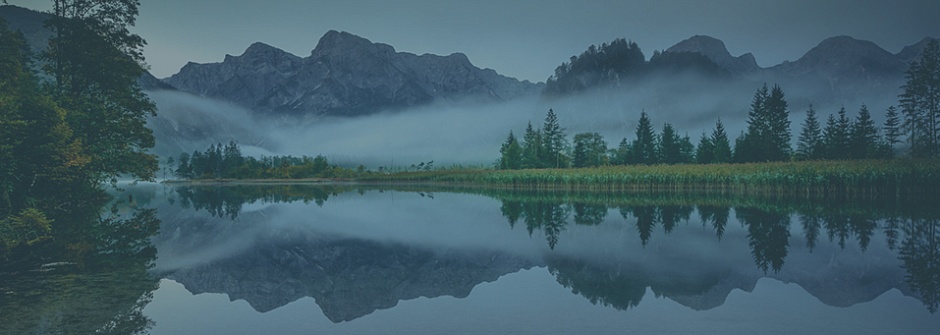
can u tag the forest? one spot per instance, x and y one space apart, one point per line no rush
913 130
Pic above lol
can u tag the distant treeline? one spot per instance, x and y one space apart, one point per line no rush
227 162
767 138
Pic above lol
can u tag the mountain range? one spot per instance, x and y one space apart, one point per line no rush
344 75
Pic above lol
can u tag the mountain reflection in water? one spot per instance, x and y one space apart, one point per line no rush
608 248
354 250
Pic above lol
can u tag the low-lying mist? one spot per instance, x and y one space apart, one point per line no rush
465 133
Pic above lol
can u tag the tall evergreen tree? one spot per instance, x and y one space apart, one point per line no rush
864 135
892 127
510 154
778 126
531 148
644 145
752 145
837 136
768 128
668 149
554 142
705 152
722 151
920 103
809 145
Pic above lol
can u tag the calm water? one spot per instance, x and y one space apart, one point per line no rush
344 260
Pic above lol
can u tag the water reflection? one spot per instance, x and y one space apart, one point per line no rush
91 277
824 246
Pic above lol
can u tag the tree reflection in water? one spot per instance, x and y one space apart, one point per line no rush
90 278
908 227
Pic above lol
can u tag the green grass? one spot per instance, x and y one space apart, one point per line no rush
899 178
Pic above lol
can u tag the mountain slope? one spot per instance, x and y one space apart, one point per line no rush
715 50
345 75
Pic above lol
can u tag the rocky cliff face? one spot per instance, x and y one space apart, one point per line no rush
715 50
345 75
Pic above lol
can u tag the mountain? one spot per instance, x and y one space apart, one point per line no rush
32 25
912 52
716 51
840 70
345 75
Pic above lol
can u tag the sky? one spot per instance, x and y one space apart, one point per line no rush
525 39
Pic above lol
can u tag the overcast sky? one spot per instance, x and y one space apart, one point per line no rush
525 39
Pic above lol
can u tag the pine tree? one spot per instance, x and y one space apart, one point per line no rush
892 127
809 145
778 126
863 136
920 103
705 152
510 154
669 150
768 131
531 148
836 137
554 142
722 151
644 145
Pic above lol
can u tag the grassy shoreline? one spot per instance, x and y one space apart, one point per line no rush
898 178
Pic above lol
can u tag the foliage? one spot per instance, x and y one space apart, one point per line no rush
768 129
645 143
920 103
590 150
810 144
227 162
94 62
554 143
510 154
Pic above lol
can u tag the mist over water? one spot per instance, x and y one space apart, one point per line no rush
470 133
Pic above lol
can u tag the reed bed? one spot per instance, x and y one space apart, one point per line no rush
899 178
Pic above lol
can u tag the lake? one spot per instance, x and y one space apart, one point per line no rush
354 259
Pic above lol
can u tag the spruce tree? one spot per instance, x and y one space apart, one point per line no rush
531 148
554 142
644 145
778 126
836 136
510 154
669 149
705 152
721 143
864 135
892 127
920 103
809 145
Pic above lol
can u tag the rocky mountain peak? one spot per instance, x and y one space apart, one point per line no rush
715 50
336 43
844 55
911 53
